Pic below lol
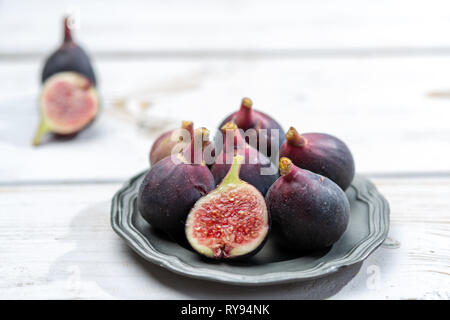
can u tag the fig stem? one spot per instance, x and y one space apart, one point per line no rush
42 129
67 31
193 154
294 138
285 166
244 118
189 126
230 125
232 176
246 103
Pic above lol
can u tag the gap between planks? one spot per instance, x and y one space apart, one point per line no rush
380 52
74 182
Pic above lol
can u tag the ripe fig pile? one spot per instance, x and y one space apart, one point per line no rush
224 208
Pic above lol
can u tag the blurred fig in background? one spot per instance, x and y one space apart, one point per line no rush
69 100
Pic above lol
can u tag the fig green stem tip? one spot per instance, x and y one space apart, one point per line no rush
42 129
232 176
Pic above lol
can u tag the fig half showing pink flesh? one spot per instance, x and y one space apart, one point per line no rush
68 103
232 221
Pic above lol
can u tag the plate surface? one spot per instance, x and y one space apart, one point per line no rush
368 227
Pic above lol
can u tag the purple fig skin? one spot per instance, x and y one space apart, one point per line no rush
164 144
248 118
250 169
69 57
169 191
232 183
309 212
249 173
320 153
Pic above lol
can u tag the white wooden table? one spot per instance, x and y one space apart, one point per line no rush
376 74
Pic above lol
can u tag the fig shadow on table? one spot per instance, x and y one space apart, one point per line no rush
104 259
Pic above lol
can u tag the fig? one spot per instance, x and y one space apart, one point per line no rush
69 101
262 137
165 143
70 57
320 153
309 211
171 188
257 169
231 222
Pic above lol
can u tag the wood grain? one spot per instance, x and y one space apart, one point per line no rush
68 250
228 27
373 73
392 125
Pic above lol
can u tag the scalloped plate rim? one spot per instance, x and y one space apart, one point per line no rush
141 245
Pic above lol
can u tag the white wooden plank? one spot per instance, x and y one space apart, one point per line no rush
29 27
382 108
56 242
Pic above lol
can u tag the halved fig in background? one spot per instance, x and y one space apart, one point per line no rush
68 103
231 221
69 57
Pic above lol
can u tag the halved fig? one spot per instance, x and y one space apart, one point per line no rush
68 103
231 221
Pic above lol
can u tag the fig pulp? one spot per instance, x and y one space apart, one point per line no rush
309 211
171 188
69 100
231 221
262 137
257 169
322 154
166 142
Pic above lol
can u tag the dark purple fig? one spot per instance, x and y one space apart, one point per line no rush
69 101
267 135
257 169
231 222
164 145
172 187
309 211
322 154
70 57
